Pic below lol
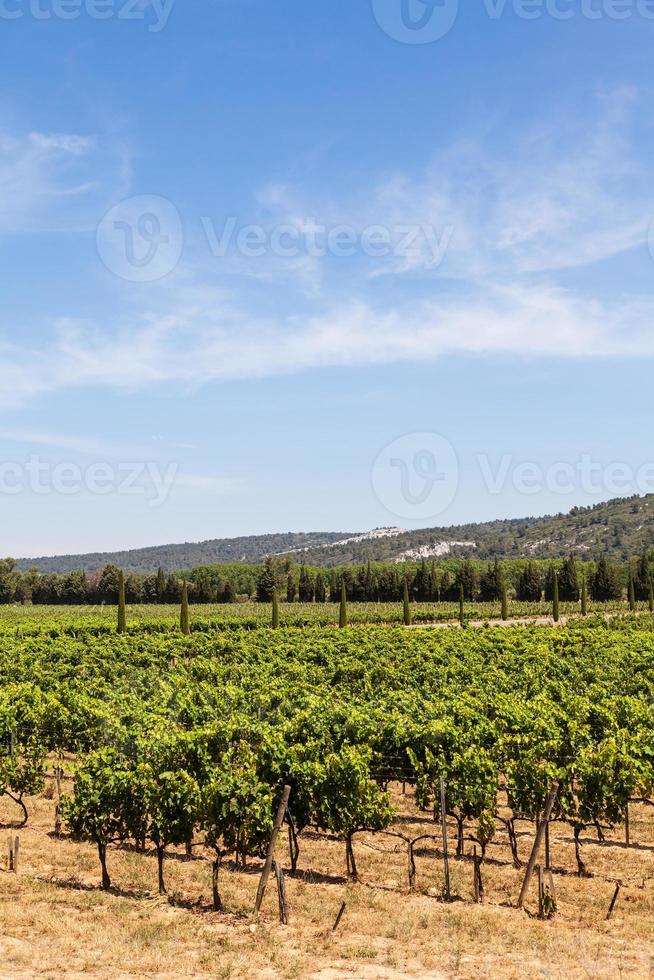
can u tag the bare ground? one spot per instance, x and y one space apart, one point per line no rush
54 920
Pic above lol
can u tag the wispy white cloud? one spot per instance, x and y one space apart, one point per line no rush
58 181
559 196
196 346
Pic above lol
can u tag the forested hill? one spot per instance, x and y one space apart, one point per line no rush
247 550
619 529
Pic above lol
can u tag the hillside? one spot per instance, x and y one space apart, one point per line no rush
619 528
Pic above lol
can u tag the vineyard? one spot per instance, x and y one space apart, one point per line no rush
154 763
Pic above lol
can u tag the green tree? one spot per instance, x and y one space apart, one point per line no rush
466 579
605 584
306 585
584 596
161 585
643 576
184 624
569 581
122 624
530 584
406 610
237 810
105 807
321 588
347 800
267 582
555 599
342 615
22 773
172 801
275 610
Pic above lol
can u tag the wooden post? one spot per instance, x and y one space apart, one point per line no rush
540 833
547 846
541 894
57 826
551 882
476 878
265 874
411 864
281 893
339 916
614 900
446 860
13 846
627 834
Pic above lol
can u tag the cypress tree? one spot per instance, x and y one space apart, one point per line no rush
321 588
632 592
606 584
161 585
505 603
651 596
584 596
405 603
462 617
555 598
342 615
275 610
122 617
183 614
529 586
290 587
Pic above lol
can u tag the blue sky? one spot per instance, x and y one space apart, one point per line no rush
262 259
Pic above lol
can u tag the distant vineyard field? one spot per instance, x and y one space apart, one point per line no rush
253 615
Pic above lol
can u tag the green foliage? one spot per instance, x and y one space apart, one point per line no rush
237 806
22 773
342 615
406 606
605 583
184 624
122 623
347 800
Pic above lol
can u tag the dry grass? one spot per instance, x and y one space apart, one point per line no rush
54 920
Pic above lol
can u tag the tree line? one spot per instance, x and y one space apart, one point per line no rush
425 581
